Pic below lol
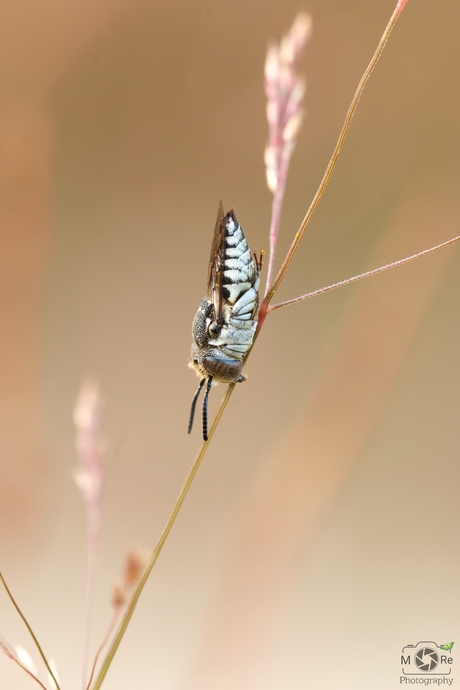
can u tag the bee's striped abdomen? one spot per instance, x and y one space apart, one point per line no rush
239 266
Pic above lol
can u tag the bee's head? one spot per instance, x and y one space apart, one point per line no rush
212 363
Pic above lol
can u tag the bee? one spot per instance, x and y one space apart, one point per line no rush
224 325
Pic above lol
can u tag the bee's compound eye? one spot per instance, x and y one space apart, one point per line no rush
214 329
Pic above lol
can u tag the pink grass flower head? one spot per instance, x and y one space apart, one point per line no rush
136 560
285 90
118 596
90 474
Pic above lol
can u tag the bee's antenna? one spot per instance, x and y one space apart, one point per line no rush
205 409
192 409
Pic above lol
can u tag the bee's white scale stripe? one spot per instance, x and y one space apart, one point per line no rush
245 303
239 269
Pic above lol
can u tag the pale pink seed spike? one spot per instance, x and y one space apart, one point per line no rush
89 478
90 473
284 89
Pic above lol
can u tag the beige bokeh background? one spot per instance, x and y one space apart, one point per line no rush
320 536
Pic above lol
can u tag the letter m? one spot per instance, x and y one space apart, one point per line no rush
405 661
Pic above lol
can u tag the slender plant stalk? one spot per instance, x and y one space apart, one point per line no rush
31 632
338 147
91 592
107 635
367 274
263 312
137 592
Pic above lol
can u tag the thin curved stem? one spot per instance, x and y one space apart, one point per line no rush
91 589
338 147
136 594
107 635
31 632
367 274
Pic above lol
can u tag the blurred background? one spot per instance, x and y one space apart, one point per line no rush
320 535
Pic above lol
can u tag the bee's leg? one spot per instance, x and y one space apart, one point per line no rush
192 409
205 409
259 260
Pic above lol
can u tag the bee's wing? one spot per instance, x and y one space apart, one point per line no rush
216 266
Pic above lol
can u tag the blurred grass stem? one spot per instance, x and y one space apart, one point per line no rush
107 635
32 634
